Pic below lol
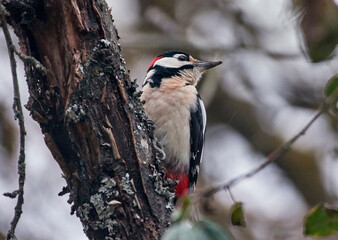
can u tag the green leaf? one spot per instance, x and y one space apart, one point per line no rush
182 213
321 221
181 230
237 215
200 230
212 230
331 86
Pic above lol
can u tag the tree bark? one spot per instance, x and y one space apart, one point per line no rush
91 118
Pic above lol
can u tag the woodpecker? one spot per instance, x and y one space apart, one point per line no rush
172 102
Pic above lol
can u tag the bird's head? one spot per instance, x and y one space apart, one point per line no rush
178 67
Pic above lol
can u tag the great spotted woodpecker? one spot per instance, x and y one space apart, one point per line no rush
174 105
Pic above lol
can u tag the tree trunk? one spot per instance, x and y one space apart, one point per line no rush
91 118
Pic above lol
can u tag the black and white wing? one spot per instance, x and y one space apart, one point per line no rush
198 121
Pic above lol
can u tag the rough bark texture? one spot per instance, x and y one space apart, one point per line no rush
91 122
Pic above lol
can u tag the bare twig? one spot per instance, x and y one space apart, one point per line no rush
272 157
18 115
231 196
30 61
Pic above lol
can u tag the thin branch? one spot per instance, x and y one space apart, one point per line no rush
18 115
272 157
30 61
231 196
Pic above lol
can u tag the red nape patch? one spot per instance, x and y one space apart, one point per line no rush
183 185
153 62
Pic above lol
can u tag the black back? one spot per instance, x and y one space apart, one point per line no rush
197 131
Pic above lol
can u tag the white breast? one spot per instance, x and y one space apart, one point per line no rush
169 107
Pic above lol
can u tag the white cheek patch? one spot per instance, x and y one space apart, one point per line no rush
170 62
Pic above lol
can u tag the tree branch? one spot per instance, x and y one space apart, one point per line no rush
92 121
18 115
272 157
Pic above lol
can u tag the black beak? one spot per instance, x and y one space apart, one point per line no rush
206 65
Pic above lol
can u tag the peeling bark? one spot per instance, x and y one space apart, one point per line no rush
90 117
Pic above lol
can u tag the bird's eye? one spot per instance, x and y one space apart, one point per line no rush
182 58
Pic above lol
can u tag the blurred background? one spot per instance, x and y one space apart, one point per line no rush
277 57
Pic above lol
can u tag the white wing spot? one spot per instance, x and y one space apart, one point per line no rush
204 114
